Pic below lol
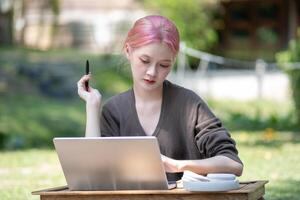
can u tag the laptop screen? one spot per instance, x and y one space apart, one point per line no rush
111 163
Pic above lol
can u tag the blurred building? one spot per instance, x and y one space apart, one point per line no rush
257 27
89 24
247 28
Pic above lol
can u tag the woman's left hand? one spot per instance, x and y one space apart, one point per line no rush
171 165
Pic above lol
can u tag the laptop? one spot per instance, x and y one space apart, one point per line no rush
112 163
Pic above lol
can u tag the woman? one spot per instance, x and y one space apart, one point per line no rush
189 134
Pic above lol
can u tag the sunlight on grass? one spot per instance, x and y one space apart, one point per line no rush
24 171
34 121
276 160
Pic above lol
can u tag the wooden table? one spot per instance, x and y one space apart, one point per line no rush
248 190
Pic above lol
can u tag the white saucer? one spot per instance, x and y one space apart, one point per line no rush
212 186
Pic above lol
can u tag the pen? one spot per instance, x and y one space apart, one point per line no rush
87 71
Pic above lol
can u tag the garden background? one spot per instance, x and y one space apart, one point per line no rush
38 94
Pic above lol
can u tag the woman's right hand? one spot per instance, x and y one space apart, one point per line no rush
92 96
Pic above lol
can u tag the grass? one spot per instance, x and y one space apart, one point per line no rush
272 156
31 121
269 156
32 114
255 115
38 93
24 171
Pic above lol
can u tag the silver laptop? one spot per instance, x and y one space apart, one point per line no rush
112 163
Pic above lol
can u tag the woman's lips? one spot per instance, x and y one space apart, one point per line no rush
149 81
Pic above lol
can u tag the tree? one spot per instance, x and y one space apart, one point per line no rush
193 22
6 23
292 55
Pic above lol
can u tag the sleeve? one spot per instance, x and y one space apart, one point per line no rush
211 137
109 122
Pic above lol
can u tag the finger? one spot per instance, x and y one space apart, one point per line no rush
81 87
163 158
81 91
96 92
84 79
81 84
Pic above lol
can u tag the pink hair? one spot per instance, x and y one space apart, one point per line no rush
153 28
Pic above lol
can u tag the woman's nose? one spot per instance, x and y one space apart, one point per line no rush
151 71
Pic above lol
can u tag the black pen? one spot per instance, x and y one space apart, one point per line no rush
87 71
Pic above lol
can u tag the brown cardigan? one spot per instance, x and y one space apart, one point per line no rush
186 129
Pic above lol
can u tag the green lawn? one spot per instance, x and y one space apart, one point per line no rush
24 171
274 157
37 112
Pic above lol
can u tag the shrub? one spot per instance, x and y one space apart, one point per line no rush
285 60
193 19
38 93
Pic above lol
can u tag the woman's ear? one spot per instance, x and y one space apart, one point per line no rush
127 50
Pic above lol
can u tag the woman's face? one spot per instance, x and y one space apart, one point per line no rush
150 64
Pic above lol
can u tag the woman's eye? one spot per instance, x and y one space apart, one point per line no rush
144 61
164 66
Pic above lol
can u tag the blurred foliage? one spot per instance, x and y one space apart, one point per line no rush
38 93
38 97
191 17
243 52
55 6
255 115
55 73
292 54
32 121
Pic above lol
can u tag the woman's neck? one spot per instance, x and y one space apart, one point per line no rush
148 96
